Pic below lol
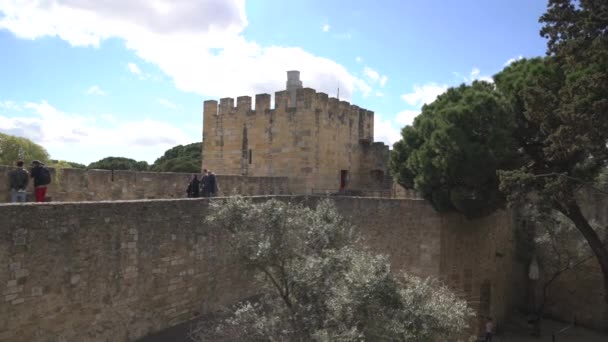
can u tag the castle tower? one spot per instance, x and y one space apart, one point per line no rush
320 143
293 83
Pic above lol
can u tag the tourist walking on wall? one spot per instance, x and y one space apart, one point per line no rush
19 179
205 184
42 178
193 187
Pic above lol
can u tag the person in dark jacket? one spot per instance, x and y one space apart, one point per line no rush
213 184
205 184
193 187
19 178
41 178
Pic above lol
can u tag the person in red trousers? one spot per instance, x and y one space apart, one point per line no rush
42 178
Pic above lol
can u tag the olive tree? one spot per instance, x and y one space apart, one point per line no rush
318 283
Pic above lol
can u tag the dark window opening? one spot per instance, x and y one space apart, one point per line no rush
250 156
343 178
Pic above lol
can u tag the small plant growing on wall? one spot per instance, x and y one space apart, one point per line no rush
318 283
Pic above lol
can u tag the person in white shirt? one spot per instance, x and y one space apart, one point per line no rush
489 330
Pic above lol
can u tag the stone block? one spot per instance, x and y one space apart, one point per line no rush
10 297
21 273
18 301
37 291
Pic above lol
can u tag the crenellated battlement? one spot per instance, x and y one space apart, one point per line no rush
306 99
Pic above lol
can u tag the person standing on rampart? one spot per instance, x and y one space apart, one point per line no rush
42 178
19 178
205 184
213 184
193 187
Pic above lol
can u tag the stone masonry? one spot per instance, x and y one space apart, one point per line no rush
117 271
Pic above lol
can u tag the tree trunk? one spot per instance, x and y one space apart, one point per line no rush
573 212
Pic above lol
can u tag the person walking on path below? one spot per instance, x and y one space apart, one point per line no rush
489 330
42 178
19 179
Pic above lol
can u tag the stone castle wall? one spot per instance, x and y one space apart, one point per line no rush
478 261
71 185
578 295
116 271
310 141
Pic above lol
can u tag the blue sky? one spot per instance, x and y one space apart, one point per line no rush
89 79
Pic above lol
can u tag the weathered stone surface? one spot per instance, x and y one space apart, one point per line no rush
86 283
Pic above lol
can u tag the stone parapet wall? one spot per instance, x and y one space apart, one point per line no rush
117 271
72 185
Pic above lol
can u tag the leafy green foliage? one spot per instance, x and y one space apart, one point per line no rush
14 148
319 284
452 151
567 101
181 158
119 163
567 106
63 164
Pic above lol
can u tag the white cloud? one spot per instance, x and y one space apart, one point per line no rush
383 80
373 76
199 44
325 28
358 59
134 69
424 94
379 94
475 75
90 22
514 59
59 132
95 90
385 130
10 105
421 95
371 73
168 104
406 117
